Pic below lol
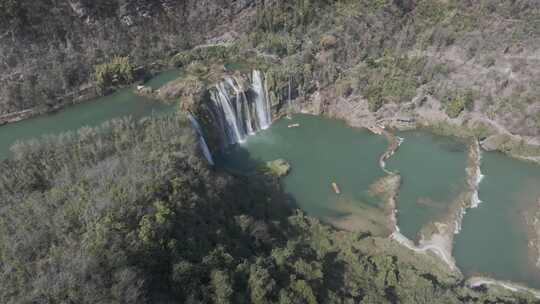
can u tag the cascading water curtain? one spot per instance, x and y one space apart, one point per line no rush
239 111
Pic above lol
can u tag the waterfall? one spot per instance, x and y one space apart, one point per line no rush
202 141
475 177
262 104
457 227
229 115
475 200
290 100
240 111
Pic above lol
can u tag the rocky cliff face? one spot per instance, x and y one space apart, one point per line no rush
48 49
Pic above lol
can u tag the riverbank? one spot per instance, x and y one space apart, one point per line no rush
435 245
122 104
422 112
436 237
475 282
440 241
387 188
86 93
533 231
393 144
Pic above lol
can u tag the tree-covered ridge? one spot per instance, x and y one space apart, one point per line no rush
129 213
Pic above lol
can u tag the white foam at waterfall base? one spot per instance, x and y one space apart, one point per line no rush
458 222
396 227
475 199
479 176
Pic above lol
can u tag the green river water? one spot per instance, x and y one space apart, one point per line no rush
320 151
493 240
91 113
432 169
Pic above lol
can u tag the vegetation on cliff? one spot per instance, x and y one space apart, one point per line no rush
117 72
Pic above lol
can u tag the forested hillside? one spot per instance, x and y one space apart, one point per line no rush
129 213
457 56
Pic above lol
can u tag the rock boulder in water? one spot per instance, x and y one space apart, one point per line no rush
278 167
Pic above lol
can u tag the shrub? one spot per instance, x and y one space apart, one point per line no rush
455 105
209 53
537 120
374 97
182 59
117 72
328 41
278 44
488 62
390 79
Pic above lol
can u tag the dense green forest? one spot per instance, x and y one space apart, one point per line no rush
128 213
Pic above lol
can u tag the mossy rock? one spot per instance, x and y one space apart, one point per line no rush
278 167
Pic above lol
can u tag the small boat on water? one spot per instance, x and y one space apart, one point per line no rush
336 188
295 125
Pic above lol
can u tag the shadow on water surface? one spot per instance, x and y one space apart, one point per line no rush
238 161
308 186
245 167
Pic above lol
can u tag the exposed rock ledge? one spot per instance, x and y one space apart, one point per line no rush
423 111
